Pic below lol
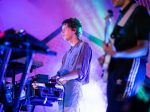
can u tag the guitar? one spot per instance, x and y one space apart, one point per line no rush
107 57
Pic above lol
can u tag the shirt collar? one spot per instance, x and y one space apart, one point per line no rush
127 7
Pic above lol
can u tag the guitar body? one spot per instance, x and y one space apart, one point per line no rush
105 67
106 63
107 40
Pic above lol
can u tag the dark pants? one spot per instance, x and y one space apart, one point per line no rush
119 71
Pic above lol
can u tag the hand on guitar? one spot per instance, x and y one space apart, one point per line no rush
101 60
109 48
105 59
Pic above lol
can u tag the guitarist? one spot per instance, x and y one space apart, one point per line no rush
129 53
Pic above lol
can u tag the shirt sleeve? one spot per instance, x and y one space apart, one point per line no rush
83 62
142 22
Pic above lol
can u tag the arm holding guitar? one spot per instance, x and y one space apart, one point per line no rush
110 48
139 50
105 59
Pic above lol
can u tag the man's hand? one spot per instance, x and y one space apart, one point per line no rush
55 77
62 81
101 60
109 48
59 80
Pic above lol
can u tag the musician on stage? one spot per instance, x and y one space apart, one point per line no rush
75 68
129 53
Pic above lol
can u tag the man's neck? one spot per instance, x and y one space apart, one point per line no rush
74 41
125 4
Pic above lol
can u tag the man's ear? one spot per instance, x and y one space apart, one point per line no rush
73 29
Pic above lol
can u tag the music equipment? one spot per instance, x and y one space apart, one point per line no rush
17 66
42 93
107 41
35 92
18 45
40 78
10 91
23 42
1 107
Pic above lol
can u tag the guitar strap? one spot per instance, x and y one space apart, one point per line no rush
124 19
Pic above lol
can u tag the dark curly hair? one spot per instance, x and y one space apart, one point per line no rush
74 24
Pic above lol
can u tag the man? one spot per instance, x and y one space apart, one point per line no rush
129 53
75 64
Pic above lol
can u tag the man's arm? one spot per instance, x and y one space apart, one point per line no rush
63 79
142 34
139 50
69 76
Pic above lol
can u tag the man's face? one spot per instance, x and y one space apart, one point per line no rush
67 32
118 3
